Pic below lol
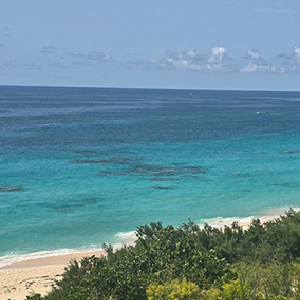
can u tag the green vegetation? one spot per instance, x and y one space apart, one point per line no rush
192 263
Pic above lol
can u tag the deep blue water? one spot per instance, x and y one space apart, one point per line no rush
87 164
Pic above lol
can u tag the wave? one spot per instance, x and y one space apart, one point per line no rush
121 239
128 238
11 259
270 214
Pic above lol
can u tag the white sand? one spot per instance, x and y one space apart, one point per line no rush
17 283
35 276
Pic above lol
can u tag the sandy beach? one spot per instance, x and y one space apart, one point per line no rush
35 276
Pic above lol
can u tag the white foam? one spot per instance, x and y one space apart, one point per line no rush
127 238
269 215
12 258
220 221
121 238
126 235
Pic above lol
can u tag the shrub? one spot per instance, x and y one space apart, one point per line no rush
176 290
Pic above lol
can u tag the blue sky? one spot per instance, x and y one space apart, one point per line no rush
197 44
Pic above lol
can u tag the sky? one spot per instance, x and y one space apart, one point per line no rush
191 44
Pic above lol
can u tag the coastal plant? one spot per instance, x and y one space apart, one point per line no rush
175 290
260 262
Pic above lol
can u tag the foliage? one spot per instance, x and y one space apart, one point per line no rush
230 263
176 290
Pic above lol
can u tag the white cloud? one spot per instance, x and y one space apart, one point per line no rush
216 61
291 62
297 51
252 55
86 59
262 68
217 55
135 65
259 65
99 56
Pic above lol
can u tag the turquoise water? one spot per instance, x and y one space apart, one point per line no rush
88 166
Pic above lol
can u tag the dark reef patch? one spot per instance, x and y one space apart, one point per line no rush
67 206
287 184
291 152
194 169
157 172
114 172
163 179
240 174
10 189
159 187
149 169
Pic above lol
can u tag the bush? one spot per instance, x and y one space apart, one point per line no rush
229 263
176 290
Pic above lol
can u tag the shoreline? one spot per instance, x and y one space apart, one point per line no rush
64 256
38 275
57 260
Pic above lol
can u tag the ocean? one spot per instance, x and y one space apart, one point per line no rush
83 166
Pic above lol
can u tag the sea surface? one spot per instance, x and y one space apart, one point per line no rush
83 166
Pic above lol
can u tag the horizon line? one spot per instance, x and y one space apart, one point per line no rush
146 88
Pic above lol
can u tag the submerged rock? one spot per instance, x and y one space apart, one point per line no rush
164 179
159 187
287 184
67 206
114 172
291 152
155 172
10 188
148 169
194 169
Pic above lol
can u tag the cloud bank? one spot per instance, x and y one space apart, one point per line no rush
216 61
94 55
219 61
291 61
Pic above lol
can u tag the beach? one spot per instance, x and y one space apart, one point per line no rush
36 275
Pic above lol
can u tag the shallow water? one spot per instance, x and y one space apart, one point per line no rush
79 166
